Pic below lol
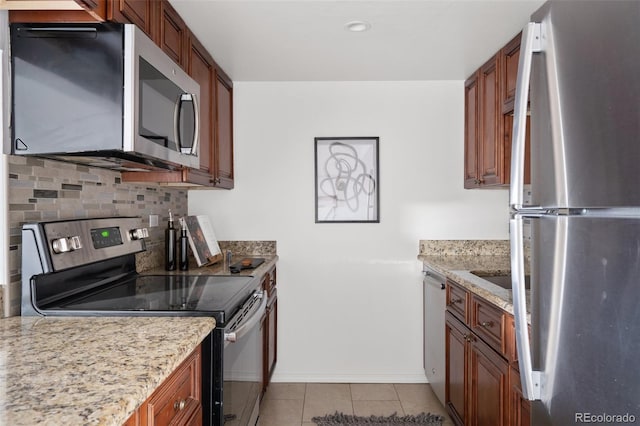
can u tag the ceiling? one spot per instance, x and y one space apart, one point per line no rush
306 40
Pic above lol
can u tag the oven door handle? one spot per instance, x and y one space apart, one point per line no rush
249 323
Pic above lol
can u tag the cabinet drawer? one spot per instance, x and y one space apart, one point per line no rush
489 323
457 301
178 398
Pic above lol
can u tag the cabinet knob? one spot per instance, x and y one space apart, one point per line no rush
487 324
179 405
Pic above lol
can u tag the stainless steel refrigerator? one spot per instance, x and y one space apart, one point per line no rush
580 363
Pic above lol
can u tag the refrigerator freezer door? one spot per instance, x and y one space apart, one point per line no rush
585 105
585 318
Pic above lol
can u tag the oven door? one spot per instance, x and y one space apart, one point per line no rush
242 364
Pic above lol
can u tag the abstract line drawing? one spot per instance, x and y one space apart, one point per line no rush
347 181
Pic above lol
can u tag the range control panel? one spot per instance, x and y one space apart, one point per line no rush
106 237
72 243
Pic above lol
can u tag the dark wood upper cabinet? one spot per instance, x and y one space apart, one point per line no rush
511 56
224 131
173 34
484 162
471 131
489 101
490 159
142 13
160 21
202 69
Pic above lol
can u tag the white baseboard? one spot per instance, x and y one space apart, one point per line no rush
348 378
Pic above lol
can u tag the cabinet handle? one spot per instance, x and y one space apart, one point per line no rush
454 301
216 181
487 324
179 405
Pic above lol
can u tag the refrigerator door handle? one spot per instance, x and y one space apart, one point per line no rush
530 379
530 44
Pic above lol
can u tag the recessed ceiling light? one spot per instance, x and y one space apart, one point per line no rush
357 26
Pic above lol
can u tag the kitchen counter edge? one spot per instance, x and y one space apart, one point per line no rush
89 370
458 268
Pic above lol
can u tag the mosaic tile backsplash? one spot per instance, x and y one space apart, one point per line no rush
45 190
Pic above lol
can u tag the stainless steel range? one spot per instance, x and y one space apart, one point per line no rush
87 267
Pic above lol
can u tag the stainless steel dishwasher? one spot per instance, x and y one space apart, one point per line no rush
434 344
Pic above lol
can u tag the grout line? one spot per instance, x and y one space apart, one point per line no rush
304 400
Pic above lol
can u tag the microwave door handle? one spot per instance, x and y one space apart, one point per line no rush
176 123
190 97
196 120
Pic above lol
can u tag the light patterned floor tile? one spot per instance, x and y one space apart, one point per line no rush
286 391
373 392
377 408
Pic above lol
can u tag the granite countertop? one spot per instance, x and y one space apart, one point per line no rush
89 370
458 269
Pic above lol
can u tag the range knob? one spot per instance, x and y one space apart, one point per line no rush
66 244
139 233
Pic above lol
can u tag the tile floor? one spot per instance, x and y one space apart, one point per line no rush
294 404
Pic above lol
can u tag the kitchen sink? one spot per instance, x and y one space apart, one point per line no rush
501 280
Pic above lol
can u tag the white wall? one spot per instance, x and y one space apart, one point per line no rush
350 307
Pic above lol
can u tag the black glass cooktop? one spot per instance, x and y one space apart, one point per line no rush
217 296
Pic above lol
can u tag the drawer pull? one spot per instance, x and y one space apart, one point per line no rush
179 405
487 324
454 301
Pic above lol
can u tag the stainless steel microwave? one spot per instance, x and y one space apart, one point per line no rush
103 95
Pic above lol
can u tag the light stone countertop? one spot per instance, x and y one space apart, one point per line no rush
90 370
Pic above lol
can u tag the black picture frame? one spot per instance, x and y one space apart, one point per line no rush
347 179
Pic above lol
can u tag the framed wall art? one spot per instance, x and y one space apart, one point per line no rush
347 180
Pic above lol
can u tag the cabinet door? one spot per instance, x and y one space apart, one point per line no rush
510 58
139 12
519 407
488 385
490 148
456 335
471 132
224 131
172 37
201 68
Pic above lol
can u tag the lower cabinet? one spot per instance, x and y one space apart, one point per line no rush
519 407
477 378
177 401
482 382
